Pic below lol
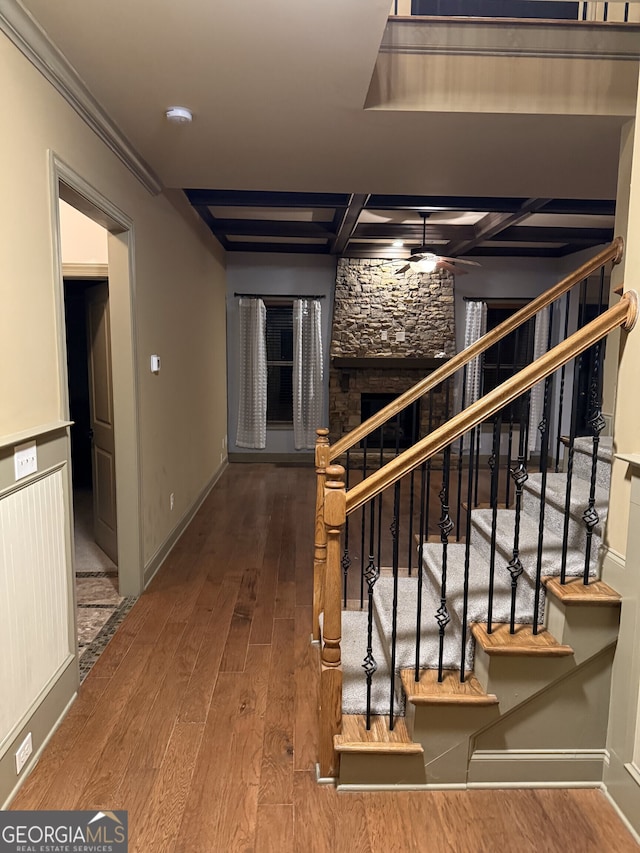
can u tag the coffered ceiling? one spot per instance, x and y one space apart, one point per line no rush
282 154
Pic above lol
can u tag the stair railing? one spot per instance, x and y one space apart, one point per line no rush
338 504
326 453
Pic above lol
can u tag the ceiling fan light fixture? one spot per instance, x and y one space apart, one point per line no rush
179 115
427 264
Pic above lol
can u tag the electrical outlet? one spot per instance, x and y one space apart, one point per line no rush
23 752
171 499
384 335
400 337
25 459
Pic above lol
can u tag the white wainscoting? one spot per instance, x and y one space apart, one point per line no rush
34 597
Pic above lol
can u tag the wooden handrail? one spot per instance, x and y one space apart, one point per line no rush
613 252
624 313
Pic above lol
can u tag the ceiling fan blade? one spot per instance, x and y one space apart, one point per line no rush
403 269
460 261
443 264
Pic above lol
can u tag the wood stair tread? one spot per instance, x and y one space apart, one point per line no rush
522 642
451 691
379 739
574 592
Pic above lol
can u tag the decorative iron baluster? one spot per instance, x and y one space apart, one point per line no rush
543 427
597 423
446 526
423 472
460 455
381 463
371 575
414 432
519 476
346 559
428 500
577 366
395 528
467 554
362 523
494 467
507 479
561 395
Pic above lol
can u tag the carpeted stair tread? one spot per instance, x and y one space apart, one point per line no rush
522 642
582 452
451 691
478 584
406 626
354 649
555 497
379 739
481 522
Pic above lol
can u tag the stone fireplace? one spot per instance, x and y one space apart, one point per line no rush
388 331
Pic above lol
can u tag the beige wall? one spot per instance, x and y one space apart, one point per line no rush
179 283
82 241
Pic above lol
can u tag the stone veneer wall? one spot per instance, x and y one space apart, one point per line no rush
372 298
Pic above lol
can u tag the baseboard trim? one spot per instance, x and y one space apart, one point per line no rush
296 458
155 563
467 786
538 767
43 722
625 820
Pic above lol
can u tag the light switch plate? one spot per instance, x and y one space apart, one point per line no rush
400 337
25 459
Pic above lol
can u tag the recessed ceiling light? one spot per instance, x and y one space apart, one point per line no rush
398 244
179 115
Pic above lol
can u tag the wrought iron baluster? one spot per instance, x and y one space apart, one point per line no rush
520 476
423 472
543 427
428 501
494 467
562 378
597 424
478 432
346 558
395 530
371 575
577 366
467 554
446 526
362 523
460 455
411 491
507 491
381 463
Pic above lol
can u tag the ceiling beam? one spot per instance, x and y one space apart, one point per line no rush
400 231
347 222
582 206
209 221
272 228
285 248
492 224
544 234
251 198
482 204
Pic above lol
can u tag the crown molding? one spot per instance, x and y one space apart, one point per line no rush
33 42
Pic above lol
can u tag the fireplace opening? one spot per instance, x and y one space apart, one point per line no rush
400 431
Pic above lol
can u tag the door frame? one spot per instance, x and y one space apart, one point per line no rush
68 185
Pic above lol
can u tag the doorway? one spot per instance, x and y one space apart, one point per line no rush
95 307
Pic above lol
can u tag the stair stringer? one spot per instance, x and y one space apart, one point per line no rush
448 733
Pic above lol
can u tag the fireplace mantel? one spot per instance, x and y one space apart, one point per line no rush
386 363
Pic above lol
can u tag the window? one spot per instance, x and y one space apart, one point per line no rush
504 359
279 333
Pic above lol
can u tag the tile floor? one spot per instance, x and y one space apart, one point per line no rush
100 608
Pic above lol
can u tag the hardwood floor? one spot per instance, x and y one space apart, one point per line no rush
199 718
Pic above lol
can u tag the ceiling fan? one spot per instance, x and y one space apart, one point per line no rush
425 260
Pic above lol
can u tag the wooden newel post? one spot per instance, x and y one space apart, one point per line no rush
335 500
320 539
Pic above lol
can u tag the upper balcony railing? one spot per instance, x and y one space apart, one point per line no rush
613 11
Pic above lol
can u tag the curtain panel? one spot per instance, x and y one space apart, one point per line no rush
307 372
252 405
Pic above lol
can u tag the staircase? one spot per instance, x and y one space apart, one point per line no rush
412 698
475 668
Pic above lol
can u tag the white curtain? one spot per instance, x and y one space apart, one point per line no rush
252 405
307 372
540 344
475 327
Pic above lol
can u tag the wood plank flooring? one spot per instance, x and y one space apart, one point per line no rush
200 720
